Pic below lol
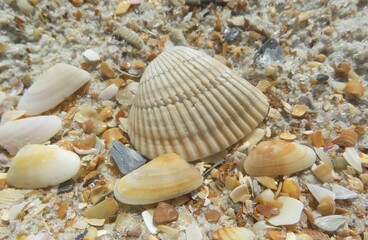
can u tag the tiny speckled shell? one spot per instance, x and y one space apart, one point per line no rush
193 105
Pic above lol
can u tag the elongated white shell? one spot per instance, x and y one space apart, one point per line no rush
193 105
52 87
330 223
40 166
351 155
319 192
16 134
163 178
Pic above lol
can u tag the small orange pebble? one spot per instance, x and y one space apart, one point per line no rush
125 65
106 70
212 215
355 88
120 114
328 31
78 15
139 64
151 56
317 138
321 58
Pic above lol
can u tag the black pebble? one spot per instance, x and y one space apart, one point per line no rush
322 77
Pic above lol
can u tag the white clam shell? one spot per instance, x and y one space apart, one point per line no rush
40 166
52 87
342 192
351 155
11 115
319 192
16 134
330 223
193 105
290 212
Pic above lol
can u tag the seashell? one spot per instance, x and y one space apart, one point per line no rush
9 196
177 37
192 22
318 140
233 233
163 178
125 158
130 37
299 110
84 113
323 173
291 187
330 223
351 155
40 166
240 194
16 134
278 157
319 192
268 182
355 88
111 135
103 210
193 105
12 115
324 157
347 138
342 192
55 85
290 212
287 136
326 206
109 92
148 220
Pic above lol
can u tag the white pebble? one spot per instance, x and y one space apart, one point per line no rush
109 92
91 55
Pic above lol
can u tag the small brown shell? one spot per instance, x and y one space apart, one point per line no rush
323 173
278 157
327 206
347 138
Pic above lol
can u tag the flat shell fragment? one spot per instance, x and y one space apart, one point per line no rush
56 84
196 107
162 178
278 157
103 210
233 233
299 110
40 166
319 192
330 223
343 193
125 158
351 155
290 212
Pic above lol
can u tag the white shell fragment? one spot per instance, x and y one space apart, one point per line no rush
193 105
342 192
125 158
290 212
109 92
330 223
148 220
52 87
40 166
319 192
352 157
16 134
193 232
91 56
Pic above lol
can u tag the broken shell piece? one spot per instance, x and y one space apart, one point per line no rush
195 110
278 157
9 196
11 115
240 194
291 188
324 157
330 223
162 178
16 134
347 138
290 212
268 182
56 84
342 192
351 155
326 206
287 136
355 88
109 92
103 210
323 172
233 233
111 135
40 166
319 192
299 110
125 158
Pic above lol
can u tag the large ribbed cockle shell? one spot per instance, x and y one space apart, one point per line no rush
193 105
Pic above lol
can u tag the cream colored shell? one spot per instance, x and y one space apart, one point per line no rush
193 105
163 178
278 157
40 166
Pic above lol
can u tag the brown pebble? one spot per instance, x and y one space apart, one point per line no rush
328 31
165 213
321 58
125 65
212 215
268 210
106 70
